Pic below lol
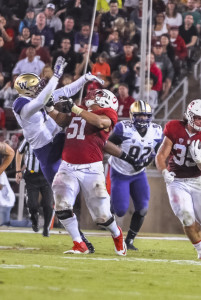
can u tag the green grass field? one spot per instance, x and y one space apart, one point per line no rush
34 267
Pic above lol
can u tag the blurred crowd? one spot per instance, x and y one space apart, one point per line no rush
33 33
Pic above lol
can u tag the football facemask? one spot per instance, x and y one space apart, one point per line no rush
138 109
27 84
193 110
104 98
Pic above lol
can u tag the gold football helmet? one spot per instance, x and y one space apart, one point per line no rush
140 108
27 84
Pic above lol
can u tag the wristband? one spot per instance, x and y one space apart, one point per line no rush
76 110
18 172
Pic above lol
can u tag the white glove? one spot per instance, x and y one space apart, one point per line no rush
90 77
59 66
195 151
168 176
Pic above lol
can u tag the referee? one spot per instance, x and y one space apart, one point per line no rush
36 184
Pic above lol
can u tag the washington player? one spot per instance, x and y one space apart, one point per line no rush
183 173
82 167
41 132
140 139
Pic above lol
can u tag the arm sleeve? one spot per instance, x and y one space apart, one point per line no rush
22 146
39 102
69 89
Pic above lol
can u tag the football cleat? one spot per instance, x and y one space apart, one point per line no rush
46 232
35 221
87 242
78 248
130 246
120 245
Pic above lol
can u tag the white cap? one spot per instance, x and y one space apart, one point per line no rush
50 5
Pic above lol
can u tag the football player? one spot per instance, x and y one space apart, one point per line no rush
181 147
82 165
41 132
140 138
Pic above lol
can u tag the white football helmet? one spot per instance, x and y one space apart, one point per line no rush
27 84
104 98
193 109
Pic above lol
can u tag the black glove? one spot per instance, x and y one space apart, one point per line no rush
49 106
137 164
67 104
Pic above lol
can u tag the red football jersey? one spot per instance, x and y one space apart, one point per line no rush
84 142
180 160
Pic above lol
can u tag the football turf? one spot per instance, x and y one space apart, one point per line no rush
34 267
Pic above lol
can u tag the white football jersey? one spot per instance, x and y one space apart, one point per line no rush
38 129
140 148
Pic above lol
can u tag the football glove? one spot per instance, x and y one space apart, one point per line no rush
168 176
70 106
50 104
90 77
137 164
195 151
59 67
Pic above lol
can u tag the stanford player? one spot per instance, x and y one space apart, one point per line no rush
183 173
82 167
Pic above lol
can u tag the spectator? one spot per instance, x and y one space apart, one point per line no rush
108 18
136 16
23 40
180 50
82 38
81 61
67 33
2 119
101 68
42 52
125 100
119 24
167 47
155 71
190 8
164 64
6 61
158 6
160 26
52 21
127 58
131 34
42 29
172 16
8 34
47 72
38 5
113 45
8 93
28 21
103 5
189 34
69 55
30 64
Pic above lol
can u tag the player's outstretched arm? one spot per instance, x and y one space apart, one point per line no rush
8 154
195 151
39 102
74 87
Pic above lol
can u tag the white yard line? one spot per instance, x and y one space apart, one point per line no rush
94 233
179 262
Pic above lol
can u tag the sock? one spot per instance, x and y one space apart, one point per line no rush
71 225
135 225
113 228
197 246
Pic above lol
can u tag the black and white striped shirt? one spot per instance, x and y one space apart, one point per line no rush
30 160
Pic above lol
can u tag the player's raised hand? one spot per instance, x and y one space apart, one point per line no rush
90 77
49 106
59 67
67 103
195 151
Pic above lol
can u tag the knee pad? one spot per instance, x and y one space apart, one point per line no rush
142 212
107 223
186 218
64 214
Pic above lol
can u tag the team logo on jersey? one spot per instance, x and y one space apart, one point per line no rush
181 140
